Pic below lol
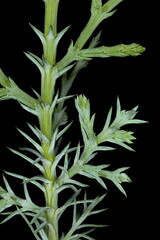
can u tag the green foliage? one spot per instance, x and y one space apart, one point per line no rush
59 165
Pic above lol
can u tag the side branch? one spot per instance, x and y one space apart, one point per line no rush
99 13
10 90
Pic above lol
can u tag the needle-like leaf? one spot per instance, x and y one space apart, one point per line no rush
35 144
27 159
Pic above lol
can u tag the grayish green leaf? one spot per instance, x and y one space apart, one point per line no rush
63 131
75 183
28 109
27 159
40 214
10 191
84 215
27 180
4 204
28 223
32 57
39 33
57 159
35 144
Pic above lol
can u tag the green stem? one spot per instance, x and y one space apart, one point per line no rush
50 31
71 55
92 24
46 115
51 13
50 50
51 215
48 84
51 197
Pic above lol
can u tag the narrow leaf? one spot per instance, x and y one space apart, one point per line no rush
62 99
42 226
84 215
120 143
92 225
38 32
40 214
27 159
39 134
31 150
36 145
108 120
110 5
28 223
53 141
26 193
30 110
34 60
95 41
65 206
10 191
76 183
60 34
4 204
77 155
42 232
60 189
11 215
26 180
104 148
98 211
86 237
58 158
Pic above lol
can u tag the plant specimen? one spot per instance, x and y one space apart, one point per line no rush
56 164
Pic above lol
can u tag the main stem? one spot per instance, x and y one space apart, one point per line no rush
46 115
51 13
50 50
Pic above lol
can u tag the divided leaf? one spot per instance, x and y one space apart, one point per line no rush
78 221
112 132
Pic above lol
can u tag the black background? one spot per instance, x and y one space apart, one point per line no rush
134 80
